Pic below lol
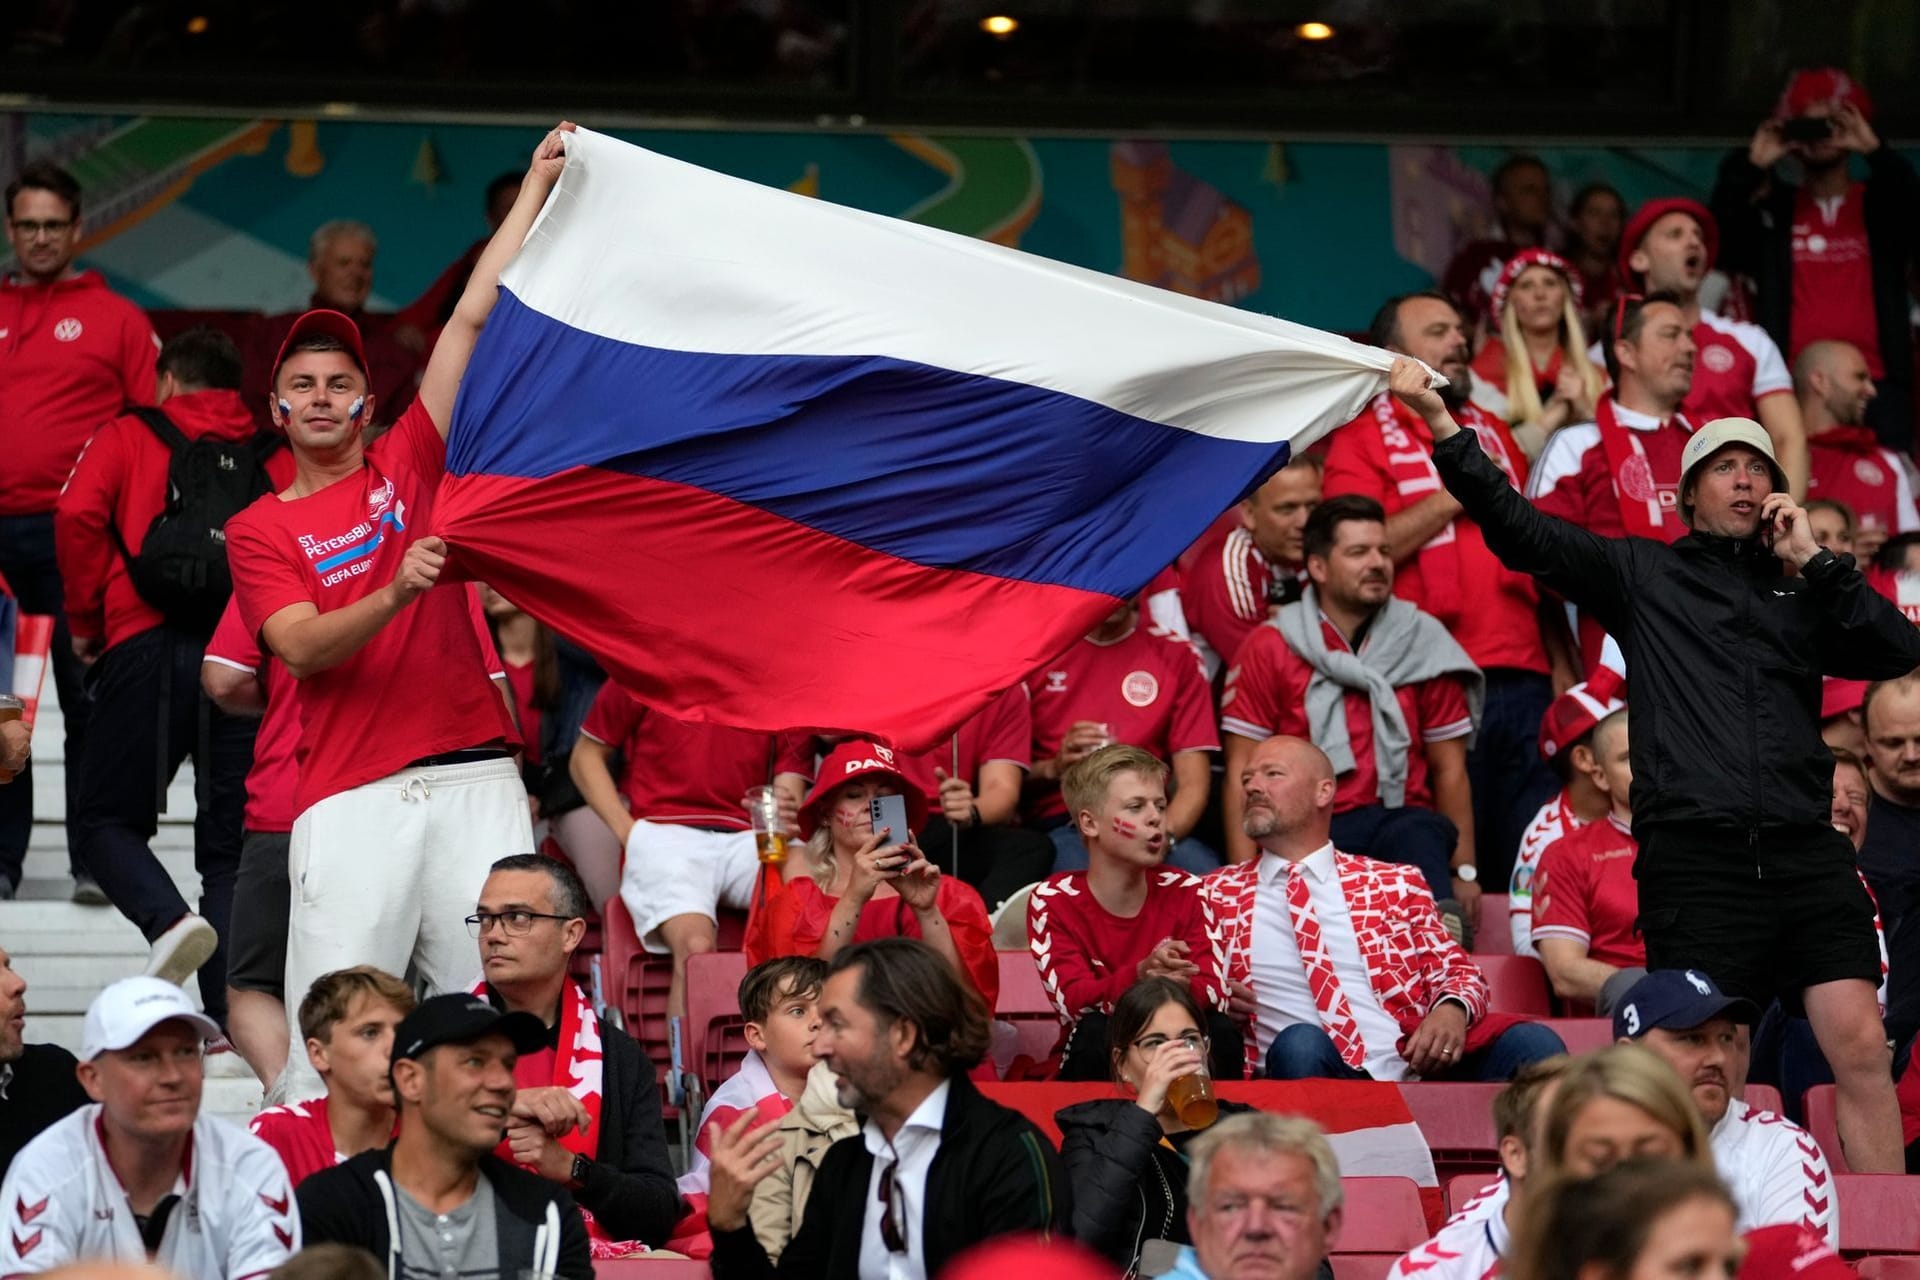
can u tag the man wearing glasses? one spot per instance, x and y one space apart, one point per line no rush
935 1168
587 1113
73 355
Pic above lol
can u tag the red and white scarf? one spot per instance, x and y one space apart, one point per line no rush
1408 444
1631 470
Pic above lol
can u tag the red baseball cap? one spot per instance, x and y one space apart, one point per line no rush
1572 715
851 760
1790 1251
1497 300
1837 697
1029 1255
1830 85
330 324
1651 212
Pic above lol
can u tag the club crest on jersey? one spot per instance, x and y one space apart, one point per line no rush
1717 357
1056 682
1140 688
1867 471
380 499
68 330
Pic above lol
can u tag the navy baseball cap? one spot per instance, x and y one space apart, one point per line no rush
1677 1000
462 1019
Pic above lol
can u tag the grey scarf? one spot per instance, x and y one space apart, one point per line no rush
1403 646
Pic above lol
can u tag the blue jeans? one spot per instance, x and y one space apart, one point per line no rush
1419 838
1070 852
1510 779
1305 1052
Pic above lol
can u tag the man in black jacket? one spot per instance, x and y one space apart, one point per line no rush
438 1202
1740 871
37 1081
935 1168
530 919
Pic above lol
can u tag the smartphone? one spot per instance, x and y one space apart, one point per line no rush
1806 129
890 812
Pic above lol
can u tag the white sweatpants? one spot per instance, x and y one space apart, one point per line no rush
387 873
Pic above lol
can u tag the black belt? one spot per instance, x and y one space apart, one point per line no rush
471 755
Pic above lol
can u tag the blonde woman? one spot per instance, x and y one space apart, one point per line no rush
1535 373
1621 1103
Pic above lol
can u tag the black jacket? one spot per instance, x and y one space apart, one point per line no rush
1724 652
43 1089
539 1227
1755 212
1110 1148
994 1174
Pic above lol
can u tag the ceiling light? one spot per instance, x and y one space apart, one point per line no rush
1314 31
999 24
197 25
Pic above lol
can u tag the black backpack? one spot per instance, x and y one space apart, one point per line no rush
182 566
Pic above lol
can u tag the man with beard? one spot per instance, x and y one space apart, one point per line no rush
1379 686
1442 565
1847 463
935 1168
37 1081
1890 853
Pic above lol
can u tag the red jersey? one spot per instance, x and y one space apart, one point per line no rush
120 480
1000 731
1490 366
1833 275
1585 890
1266 693
1224 592
1735 365
419 687
1088 956
795 918
73 354
1492 611
1847 464
274 776
520 679
1148 687
679 771
300 1135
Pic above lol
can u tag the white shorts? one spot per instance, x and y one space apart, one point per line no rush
681 871
387 873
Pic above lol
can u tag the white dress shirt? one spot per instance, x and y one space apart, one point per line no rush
911 1153
1280 975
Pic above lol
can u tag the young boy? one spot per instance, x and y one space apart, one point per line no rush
347 1018
1094 933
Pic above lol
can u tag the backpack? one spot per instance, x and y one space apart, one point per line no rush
181 569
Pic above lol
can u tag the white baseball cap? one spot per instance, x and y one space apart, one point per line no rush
1718 435
131 1007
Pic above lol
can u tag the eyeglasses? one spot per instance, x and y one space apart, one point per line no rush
51 227
893 1231
517 923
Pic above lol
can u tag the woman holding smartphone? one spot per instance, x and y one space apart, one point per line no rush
850 883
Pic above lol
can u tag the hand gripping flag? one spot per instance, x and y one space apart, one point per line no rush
780 463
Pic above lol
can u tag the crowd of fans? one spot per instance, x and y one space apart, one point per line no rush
1557 625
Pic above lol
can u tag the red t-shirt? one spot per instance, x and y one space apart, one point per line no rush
1585 890
275 775
1735 365
1833 275
1224 591
1000 731
1847 464
1088 956
795 918
300 1135
1266 693
1497 616
73 354
1148 687
520 678
679 771
419 687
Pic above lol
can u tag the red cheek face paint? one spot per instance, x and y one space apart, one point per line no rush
1122 827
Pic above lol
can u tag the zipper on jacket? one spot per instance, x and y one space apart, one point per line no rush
1753 735
1753 851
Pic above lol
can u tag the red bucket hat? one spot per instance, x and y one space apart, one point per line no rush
1497 300
850 761
1651 212
1573 714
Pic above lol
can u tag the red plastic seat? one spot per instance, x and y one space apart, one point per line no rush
1494 937
1463 1188
1381 1214
713 1040
1763 1097
1581 1035
1899 1266
1518 983
1025 1004
1457 1122
1823 1122
1362 1266
1879 1212
650 1269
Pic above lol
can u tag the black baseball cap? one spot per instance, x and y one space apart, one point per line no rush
461 1019
1677 1000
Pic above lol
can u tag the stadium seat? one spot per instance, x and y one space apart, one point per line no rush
1897 1266
712 1040
1879 1212
1010 920
1464 1187
1024 1003
1518 983
646 1268
1763 1097
1494 937
1823 1122
1381 1214
1457 1122
1362 1266
1581 1035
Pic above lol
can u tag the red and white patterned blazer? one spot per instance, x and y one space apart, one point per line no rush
1412 961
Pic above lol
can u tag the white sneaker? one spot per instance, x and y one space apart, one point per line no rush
180 951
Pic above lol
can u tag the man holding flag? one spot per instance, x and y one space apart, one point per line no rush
407 790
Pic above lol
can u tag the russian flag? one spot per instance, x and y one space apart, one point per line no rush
779 463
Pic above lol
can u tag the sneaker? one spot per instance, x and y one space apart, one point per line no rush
182 949
8 889
87 893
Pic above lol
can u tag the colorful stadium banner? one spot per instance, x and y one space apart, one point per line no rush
782 463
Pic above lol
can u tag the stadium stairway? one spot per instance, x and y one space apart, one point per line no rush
68 952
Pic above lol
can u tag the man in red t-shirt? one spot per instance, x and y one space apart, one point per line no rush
1586 903
1237 579
1124 682
408 791
1377 685
73 354
1849 464
143 659
1442 566
679 812
1523 204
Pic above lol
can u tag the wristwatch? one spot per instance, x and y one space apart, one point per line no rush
1466 874
581 1168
